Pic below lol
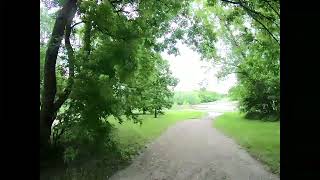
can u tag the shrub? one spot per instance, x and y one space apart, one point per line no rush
208 96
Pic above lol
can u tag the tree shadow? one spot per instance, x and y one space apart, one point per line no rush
256 116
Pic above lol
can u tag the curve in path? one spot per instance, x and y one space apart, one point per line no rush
193 150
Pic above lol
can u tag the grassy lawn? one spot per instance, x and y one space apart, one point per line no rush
261 139
132 137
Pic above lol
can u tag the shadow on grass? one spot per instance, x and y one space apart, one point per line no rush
255 116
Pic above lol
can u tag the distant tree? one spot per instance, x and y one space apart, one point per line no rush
161 90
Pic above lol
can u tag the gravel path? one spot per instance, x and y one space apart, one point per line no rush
193 149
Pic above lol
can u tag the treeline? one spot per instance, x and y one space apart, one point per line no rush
195 97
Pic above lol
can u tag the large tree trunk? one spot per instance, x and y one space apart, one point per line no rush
48 106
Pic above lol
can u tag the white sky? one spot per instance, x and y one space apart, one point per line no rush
187 68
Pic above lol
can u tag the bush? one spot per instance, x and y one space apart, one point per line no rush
261 100
234 93
207 96
186 98
196 97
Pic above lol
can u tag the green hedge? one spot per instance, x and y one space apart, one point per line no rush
195 97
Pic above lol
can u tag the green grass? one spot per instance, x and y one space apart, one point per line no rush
260 138
132 137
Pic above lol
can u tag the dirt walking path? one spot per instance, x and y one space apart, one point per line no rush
193 149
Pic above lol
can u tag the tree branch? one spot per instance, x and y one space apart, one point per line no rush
242 4
115 1
265 28
232 2
272 8
76 24
251 15
233 39
247 9
63 96
105 31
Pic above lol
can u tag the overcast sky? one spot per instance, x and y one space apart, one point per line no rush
187 67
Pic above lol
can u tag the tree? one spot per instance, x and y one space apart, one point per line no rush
161 89
49 106
89 76
250 31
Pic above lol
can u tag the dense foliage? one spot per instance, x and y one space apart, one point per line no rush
208 96
181 98
243 37
195 97
250 34
234 92
107 65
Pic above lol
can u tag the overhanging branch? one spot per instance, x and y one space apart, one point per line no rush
252 14
274 10
265 28
76 24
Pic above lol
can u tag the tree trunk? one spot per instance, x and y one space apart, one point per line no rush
48 106
155 113
144 110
